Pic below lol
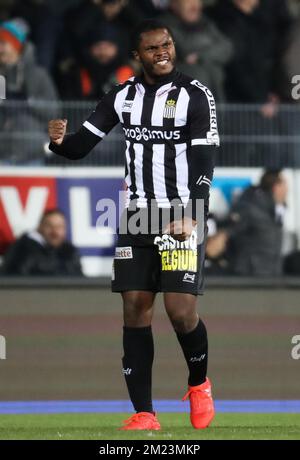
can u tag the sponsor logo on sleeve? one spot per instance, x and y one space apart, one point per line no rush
127 106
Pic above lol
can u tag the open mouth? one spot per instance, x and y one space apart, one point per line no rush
162 62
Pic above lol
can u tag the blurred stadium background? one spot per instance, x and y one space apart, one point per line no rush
63 336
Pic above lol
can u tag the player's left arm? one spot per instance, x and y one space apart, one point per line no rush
202 119
204 139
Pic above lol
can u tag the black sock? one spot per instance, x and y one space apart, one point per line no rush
137 366
195 348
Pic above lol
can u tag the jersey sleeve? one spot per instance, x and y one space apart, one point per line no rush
104 117
202 116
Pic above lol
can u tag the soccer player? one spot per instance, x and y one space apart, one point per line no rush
169 122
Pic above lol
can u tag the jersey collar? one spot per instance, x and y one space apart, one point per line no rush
171 77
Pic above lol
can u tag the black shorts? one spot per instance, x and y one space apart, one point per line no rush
158 264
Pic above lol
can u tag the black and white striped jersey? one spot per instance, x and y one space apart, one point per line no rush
161 123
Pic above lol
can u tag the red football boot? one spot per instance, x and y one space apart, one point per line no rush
201 403
141 421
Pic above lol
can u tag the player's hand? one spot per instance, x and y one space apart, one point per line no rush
181 230
57 130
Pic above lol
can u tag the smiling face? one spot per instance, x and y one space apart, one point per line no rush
156 52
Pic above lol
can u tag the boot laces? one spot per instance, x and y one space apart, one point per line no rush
196 390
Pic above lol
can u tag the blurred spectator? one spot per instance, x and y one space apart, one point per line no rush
25 81
202 50
274 18
91 15
291 264
291 90
45 18
99 67
6 9
44 252
294 6
82 25
245 80
150 8
257 29
256 227
216 257
291 59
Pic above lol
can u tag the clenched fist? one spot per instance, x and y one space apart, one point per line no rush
181 230
57 130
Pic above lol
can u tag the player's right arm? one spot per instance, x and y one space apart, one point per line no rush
72 146
77 145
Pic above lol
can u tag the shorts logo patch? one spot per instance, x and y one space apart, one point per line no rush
124 253
189 278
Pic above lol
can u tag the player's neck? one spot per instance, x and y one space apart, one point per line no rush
155 81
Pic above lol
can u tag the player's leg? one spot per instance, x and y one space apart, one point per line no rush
181 281
138 308
192 336
138 347
138 357
191 333
135 277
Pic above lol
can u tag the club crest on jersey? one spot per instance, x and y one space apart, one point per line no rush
170 109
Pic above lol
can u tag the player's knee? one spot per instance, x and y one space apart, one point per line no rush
137 314
183 321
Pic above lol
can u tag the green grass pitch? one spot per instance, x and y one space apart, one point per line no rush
175 426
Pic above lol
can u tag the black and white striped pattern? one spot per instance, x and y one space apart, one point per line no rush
159 131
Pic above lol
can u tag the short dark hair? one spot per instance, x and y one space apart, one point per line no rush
270 178
146 26
51 212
